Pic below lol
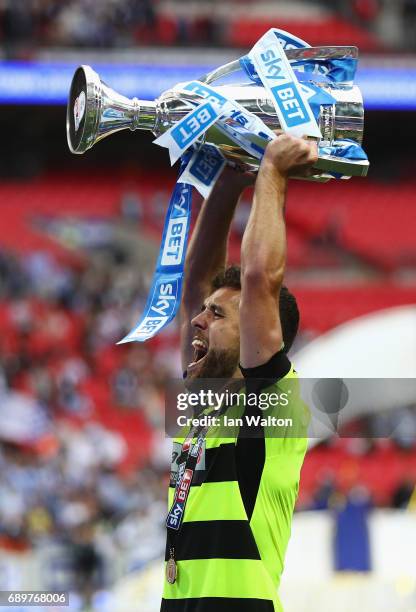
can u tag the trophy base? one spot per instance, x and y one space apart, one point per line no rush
348 167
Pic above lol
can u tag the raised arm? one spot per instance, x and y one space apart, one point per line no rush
263 250
207 253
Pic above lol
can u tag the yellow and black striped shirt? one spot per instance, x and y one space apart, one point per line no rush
231 547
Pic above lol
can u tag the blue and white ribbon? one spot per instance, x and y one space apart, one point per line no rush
334 71
278 78
187 131
203 170
317 97
240 125
165 294
286 40
347 149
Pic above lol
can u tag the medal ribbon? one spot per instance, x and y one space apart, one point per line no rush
184 479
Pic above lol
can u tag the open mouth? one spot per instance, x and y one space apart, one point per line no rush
200 352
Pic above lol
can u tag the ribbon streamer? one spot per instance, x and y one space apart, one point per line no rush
240 125
186 132
165 294
334 71
278 78
203 170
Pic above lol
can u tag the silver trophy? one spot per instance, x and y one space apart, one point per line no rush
95 111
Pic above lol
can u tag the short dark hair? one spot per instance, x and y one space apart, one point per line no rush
288 308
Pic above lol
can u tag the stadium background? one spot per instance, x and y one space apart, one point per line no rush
83 458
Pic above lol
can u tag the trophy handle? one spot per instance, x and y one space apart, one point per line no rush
306 53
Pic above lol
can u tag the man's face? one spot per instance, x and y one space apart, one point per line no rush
216 338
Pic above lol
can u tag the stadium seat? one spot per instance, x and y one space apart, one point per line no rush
332 30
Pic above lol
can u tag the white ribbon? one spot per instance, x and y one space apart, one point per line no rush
204 169
278 78
187 131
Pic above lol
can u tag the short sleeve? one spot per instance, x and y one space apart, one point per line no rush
268 373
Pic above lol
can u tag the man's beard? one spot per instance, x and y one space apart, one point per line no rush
218 364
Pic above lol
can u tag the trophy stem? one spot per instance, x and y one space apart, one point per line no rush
146 117
119 113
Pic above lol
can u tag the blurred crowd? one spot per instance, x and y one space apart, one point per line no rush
77 511
26 25
83 459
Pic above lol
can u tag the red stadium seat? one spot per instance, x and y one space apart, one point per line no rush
349 470
331 30
323 308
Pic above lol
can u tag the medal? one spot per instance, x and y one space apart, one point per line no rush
171 570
